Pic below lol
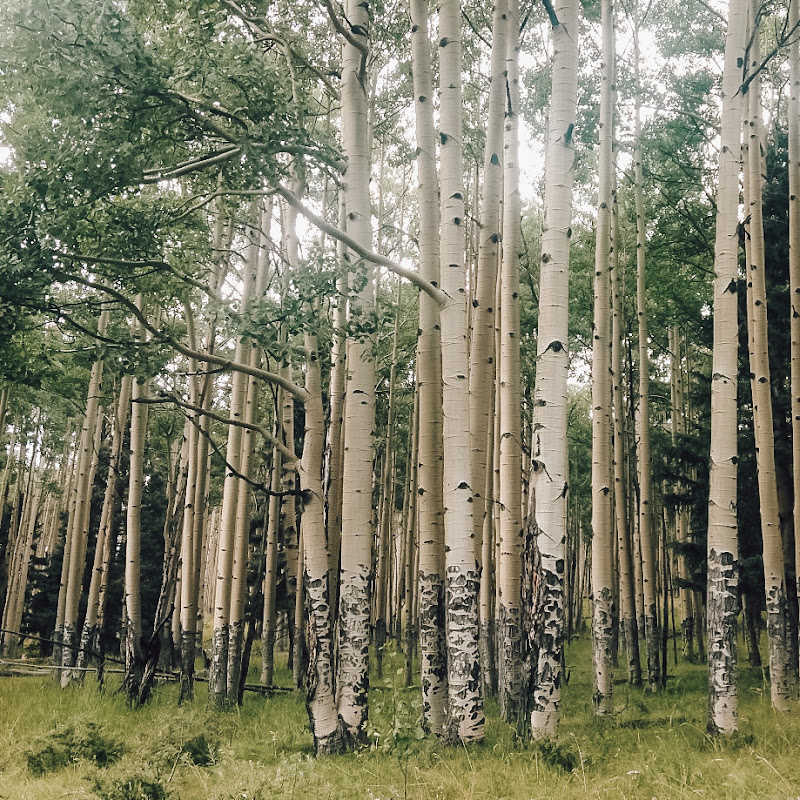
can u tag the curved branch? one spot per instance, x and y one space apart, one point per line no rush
368 255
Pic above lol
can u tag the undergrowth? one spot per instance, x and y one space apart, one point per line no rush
84 743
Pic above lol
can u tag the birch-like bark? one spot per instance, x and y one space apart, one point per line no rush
90 443
723 554
772 554
481 363
512 703
326 728
624 543
103 547
357 524
430 593
465 721
218 680
134 652
646 545
602 538
549 456
271 573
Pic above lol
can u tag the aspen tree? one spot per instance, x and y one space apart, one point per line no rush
271 570
647 551
326 727
510 529
90 443
385 521
218 680
723 558
549 454
242 523
430 593
465 693
624 544
772 554
481 362
353 654
682 516
134 654
103 546
602 538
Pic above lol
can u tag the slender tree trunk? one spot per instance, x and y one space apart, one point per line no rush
326 727
780 648
134 651
646 537
271 573
602 538
103 547
481 363
357 524
430 594
723 557
512 703
465 721
549 454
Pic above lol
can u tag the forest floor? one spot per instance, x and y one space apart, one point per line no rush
655 746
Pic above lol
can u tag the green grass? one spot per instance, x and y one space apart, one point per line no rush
655 746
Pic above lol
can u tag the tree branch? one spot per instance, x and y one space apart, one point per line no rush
368 255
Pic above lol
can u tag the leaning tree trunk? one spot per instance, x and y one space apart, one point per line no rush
780 647
430 594
723 554
465 721
648 555
602 539
512 704
549 453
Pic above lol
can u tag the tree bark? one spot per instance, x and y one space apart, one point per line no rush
723 554
549 455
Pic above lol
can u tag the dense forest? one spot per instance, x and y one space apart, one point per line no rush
450 352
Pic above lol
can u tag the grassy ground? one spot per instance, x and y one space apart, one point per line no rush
654 747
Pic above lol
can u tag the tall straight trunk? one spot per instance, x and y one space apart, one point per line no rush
103 546
134 651
681 513
409 620
271 572
723 554
794 273
624 544
780 647
648 555
481 362
511 698
465 721
602 590
333 464
236 619
385 522
90 442
549 456
326 726
218 678
357 525
488 566
430 594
